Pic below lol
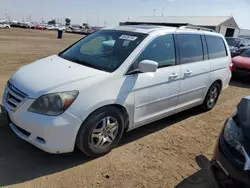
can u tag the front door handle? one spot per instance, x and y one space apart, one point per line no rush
188 72
173 76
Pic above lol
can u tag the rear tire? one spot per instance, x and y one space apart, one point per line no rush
211 97
101 132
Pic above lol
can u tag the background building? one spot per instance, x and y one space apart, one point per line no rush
244 33
226 25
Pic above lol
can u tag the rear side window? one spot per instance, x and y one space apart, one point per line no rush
190 47
216 47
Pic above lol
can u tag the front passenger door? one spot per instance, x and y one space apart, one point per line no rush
156 94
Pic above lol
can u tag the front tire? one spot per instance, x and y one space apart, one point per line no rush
101 132
211 97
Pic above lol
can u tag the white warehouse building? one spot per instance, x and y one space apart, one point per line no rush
226 25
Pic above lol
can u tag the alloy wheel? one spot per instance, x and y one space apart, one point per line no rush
104 132
212 96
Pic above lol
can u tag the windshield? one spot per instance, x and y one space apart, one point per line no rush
104 50
233 42
245 53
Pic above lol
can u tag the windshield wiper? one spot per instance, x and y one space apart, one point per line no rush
81 62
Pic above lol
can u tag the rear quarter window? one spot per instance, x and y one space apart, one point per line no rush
216 47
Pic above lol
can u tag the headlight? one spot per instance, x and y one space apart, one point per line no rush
53 104
232 134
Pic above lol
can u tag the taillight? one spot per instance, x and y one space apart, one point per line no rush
231 66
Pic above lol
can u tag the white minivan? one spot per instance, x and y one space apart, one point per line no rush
112 81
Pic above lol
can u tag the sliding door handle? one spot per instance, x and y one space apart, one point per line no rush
173 76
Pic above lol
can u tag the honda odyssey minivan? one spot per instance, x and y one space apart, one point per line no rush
112 81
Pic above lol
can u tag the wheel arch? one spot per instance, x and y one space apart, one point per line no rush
215 81
120 107
220 83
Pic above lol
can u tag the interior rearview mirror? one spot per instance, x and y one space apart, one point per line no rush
148 66
242 45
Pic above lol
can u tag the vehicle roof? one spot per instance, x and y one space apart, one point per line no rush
142 28
146 29
234 38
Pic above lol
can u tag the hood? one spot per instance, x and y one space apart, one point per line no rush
49 73
243 109
240 61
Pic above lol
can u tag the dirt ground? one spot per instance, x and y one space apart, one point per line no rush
172 152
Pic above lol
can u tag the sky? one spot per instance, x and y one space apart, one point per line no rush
111 12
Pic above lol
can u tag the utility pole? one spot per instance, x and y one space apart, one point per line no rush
154 12
163 10
6 16
105 23
97 19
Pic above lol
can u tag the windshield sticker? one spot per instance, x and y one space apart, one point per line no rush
127 37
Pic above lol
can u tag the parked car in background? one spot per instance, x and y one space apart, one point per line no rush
93 29
4 25
231 159
237 45
15 24
33 26
50 27
76 28
61 27
56 26
241 64
26 25
112 81
40 27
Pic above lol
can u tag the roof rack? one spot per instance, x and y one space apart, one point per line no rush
197 28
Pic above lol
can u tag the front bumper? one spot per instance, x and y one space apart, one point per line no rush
53 134
227 170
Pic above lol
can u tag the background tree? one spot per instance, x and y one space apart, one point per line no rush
67 21
52 22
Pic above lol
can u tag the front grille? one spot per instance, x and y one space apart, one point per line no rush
13 96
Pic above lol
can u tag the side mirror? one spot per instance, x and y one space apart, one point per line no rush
148 66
